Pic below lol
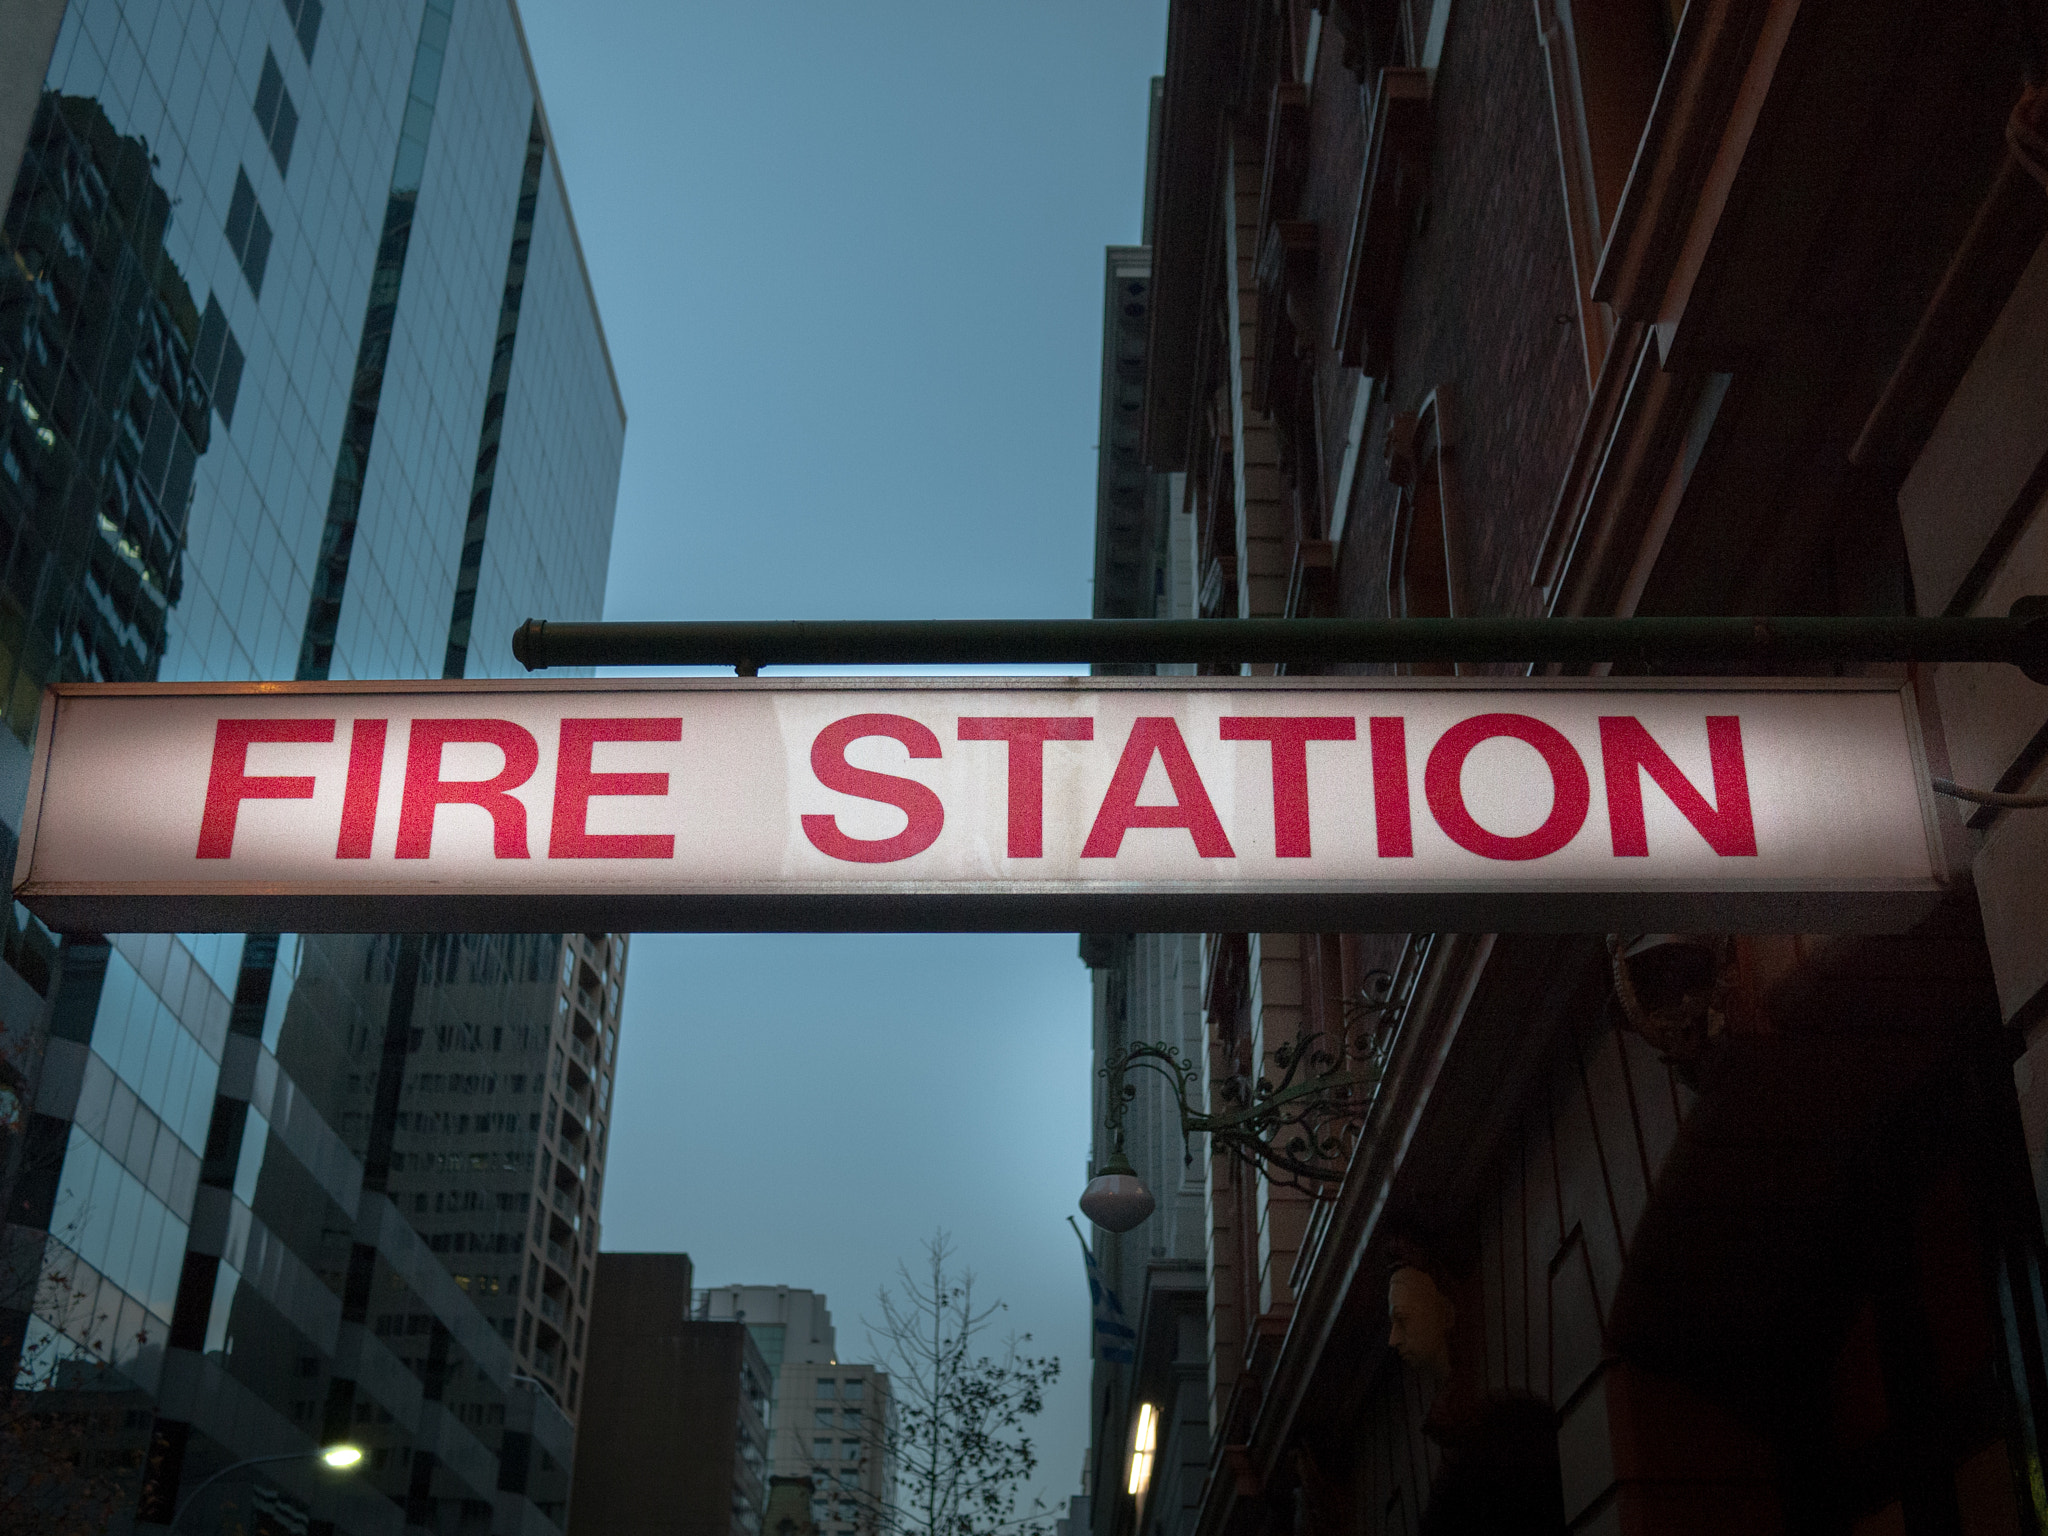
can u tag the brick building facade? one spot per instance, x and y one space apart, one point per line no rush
1611 307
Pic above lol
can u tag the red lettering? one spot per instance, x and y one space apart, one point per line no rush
359 791
1156 735
1392 823
569 835
1027 736
1290 736
1627 752
229 782
924 815
1443 785
426 791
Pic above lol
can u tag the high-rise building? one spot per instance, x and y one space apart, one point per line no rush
301 377
790 1325
832 1426
1147 988
830 1419
675 1438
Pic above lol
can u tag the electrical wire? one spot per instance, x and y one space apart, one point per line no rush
1991 797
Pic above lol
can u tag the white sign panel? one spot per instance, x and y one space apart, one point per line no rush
1153 804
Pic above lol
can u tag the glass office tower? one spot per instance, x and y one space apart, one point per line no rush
301 377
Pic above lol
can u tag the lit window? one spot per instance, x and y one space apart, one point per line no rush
1143 1443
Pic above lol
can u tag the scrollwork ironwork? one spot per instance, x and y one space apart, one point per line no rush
1294 1123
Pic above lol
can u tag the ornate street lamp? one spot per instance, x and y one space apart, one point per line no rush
1294 1127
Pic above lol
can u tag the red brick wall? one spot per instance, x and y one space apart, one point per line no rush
1487 279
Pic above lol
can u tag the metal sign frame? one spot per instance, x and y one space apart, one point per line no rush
883 904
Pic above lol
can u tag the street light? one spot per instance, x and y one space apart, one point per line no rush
340 1457
1291 1127
1116 1199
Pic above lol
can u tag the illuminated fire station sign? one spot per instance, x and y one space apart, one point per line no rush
1154 804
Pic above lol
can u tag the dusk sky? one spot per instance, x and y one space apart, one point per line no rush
849 259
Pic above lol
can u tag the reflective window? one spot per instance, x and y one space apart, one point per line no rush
305 18
275 114
248 232
105 1215
152 1052
103 416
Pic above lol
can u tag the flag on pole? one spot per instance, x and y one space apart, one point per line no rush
1113 1336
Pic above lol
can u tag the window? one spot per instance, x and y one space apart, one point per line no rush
1144 1443
824 1418
218 358
852 1417
1423 564
275 114
305 19
248 233
828 1389
1605 59
853 1389
821 1450
849 1450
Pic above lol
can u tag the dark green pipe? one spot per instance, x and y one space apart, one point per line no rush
1756 646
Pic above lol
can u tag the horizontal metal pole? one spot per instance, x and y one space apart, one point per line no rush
1757 646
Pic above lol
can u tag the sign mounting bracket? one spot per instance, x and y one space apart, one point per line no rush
1753 647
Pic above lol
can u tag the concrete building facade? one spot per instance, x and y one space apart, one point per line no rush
674 1437
829 1419
790 1326
1147 987
832 1426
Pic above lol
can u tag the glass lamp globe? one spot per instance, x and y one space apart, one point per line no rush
1116 1199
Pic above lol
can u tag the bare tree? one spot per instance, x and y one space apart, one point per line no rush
71 1428
955 1441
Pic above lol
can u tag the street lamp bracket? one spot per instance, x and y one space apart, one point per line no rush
1293 1122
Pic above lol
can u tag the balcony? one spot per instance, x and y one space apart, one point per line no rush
566 1207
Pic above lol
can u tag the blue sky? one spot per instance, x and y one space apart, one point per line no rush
849 258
